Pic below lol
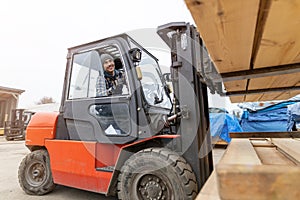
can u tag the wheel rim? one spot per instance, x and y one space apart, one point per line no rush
36 174
151 187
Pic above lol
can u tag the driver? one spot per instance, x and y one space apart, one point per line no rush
113 79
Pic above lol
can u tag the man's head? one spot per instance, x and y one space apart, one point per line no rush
108 63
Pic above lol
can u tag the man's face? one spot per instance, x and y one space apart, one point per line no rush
109 65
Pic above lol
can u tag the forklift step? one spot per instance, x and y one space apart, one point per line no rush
106 169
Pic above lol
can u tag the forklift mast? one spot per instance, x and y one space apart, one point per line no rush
190 74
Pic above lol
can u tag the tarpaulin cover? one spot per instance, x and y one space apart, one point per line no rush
221 124
269 119
293 115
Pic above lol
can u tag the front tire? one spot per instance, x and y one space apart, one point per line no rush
157 173
35 176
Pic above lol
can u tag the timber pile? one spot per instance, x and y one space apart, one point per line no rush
256 169
255 37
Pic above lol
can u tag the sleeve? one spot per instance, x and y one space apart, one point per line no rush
101 86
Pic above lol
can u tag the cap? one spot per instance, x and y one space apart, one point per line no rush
105 57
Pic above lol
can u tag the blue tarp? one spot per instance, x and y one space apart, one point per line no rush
293 116
272 118
221 124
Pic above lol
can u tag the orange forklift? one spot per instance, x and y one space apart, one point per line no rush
143 142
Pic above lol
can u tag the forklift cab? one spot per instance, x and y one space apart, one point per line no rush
137 111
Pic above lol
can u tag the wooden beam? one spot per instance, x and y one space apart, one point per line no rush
286 80
240 151
236 99
280 42
210 189
289 147
236 85
260 72
258 182
228 30
292 134
259 91
271 156
270 96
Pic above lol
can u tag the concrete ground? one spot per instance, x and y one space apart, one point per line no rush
11 155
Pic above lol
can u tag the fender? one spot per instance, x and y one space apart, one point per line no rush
42 126
128 150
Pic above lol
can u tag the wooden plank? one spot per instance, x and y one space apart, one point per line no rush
288 94
235 85
261 182
240 151
271 156
273 82
228 30
252 97
270 96
280 42
293 134
265 82
210 189
237 99
289 146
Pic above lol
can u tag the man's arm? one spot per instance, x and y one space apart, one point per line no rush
101 87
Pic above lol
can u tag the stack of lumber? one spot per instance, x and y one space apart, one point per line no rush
252 37
256 169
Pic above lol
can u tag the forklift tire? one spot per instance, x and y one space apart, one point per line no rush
157 173
35 176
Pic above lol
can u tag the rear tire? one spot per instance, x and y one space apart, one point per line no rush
156 173
35 175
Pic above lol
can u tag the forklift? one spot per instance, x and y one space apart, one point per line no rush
144 142
16 127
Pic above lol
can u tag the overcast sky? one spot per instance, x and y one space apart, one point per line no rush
35 35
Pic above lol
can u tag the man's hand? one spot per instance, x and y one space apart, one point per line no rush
109 91
118 89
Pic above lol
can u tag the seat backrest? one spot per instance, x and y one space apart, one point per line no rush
118 63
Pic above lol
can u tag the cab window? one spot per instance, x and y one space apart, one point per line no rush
89 79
